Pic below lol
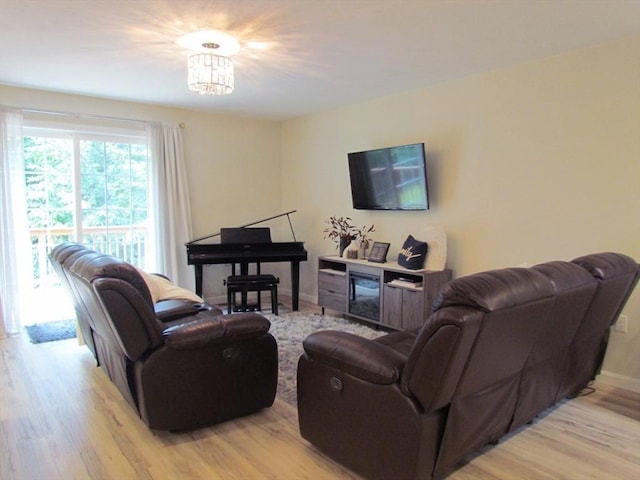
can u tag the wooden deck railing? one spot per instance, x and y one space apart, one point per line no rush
127 242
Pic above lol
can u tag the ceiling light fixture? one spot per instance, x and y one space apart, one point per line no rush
210 73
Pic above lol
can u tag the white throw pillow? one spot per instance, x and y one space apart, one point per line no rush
163 289
436 238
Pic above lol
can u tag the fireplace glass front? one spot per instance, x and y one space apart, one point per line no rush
364 295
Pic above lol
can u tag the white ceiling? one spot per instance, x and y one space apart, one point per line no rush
297 56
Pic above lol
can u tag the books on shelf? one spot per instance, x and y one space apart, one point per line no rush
406 282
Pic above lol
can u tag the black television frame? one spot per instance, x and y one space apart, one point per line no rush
367 192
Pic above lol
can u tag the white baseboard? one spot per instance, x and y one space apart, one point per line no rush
619 381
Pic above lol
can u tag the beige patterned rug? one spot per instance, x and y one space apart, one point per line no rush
290 329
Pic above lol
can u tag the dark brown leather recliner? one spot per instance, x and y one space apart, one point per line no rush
62 256
410 405
193 371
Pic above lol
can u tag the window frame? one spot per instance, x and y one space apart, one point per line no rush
78 130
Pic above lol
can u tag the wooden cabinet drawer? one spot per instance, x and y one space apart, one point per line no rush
336 282
332 290
331 299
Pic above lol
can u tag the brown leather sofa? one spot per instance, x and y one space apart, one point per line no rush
499 348
196 368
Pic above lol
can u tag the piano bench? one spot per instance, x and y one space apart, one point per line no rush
251 283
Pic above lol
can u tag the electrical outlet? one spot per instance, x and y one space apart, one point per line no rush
621 324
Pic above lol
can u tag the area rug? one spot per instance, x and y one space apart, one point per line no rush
290 329
51 331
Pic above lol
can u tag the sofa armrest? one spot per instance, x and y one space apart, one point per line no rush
170 310
204 330
356 356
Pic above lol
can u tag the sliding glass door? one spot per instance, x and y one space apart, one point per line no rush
89 188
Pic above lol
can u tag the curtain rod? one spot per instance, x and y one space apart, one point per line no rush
87 115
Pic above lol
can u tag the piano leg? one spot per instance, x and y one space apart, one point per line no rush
295 284
198 279
244 270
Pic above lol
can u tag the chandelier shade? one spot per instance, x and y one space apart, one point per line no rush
210 74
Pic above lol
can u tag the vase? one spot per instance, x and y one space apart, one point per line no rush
344 243
363 251
352 250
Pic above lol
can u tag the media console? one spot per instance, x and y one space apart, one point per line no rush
384 294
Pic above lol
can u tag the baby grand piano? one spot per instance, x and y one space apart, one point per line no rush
244 246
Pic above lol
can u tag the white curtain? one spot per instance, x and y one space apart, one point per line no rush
14 233
170 201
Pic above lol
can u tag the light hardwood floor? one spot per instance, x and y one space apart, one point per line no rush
61 418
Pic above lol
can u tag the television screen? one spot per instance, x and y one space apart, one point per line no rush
392 178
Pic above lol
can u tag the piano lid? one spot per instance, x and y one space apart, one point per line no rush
248 225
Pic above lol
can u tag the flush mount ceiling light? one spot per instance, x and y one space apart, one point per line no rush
210 70
210 74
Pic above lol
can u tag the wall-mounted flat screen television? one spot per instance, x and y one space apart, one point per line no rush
393 178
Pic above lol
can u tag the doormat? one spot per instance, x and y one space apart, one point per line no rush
51 331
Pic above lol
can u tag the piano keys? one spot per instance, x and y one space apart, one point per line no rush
258 248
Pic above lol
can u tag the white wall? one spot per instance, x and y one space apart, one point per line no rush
527 164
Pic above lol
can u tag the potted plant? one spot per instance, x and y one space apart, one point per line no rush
342 231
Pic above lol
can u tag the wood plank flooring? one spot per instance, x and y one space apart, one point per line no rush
61 418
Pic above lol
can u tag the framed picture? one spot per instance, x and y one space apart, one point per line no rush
378 252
